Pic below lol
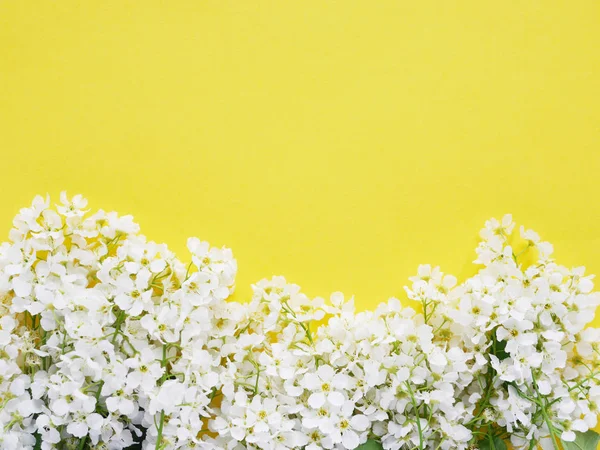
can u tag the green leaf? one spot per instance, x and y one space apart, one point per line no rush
583 441
499 350
38 441
486 444
370 445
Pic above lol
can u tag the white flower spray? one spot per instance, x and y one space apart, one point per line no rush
108 341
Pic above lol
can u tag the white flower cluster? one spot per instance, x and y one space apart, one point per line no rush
108 341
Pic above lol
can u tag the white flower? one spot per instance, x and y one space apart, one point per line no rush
133 291
533 239
349 431
146 370
169 397
82 424
47 429
106 336
73 207
121 402
517 333
7 325
325 385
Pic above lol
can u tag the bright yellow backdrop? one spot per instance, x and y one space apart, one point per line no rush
340 143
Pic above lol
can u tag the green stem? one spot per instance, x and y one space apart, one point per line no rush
117 325
545 415
82 443
159 428
160 431
414 403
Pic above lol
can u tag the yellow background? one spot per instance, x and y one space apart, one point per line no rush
339 143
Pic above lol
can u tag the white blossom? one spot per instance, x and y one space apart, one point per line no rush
107 339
